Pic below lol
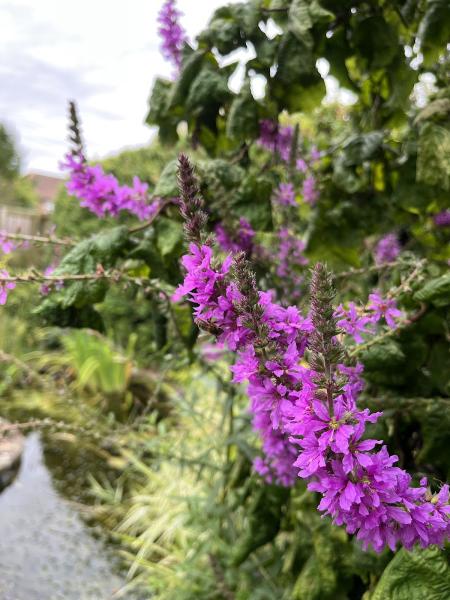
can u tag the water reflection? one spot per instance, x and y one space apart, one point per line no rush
46 550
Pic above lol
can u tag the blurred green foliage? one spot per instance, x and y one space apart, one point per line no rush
192 519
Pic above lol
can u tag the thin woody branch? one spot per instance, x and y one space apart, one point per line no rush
38 239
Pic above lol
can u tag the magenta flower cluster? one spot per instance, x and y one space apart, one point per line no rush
285 195
304 434
6 244
240 240
387 249
442 219
276 138
309 190
355 321
172 34
102 194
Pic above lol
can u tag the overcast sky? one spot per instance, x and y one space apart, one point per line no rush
103 53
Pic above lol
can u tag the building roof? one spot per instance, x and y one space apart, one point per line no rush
47 187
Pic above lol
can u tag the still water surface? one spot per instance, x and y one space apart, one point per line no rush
47 552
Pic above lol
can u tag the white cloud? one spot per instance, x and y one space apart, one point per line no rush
103 54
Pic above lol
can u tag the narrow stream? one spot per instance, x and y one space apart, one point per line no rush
47 552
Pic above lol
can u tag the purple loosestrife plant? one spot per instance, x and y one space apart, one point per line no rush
276 138
384 308
289 260
442 219
5 286
7 245
309 191
240 240
387 249
307 417
285 195
98 191
353 321
102 194
172 34
356 321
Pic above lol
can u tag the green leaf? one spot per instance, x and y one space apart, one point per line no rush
248 15
264 517
297 84
376 41
159 111
434 30
433 155
159 101
346 178
436 291
295 60
180 89
300 21
303 15
224 30
437 109
416 575
167 186
243 122
72 305
401 82
386 355
210 86
363 147
259 213
337 50
265 54
169 234
319 14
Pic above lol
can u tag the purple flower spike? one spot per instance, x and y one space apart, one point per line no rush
286 195
102 194
442 219
310 193
172 34
387 249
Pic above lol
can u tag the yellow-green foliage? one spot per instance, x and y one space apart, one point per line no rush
97 366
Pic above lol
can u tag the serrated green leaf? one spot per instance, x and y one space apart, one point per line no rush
433 155
169 234
180 89
436 290
210 86
243 121
386 355
416 575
